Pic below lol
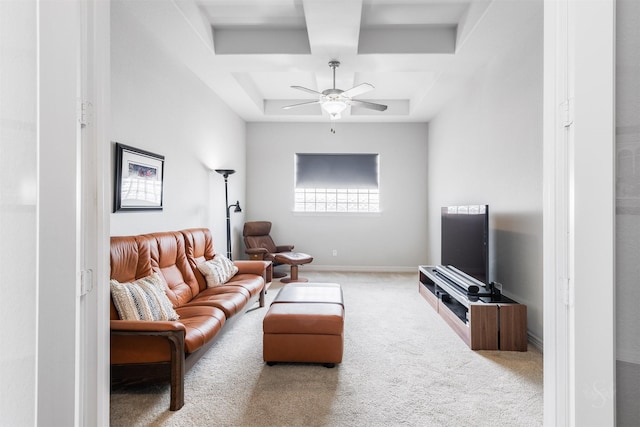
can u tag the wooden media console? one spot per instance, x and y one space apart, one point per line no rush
483 319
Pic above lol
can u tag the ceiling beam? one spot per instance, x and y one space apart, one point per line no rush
333 26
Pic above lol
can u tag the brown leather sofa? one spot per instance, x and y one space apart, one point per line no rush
152 351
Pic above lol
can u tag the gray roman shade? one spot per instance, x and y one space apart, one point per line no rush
336 170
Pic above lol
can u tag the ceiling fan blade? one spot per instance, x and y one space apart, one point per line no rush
287 107
369 105
358 90
315 92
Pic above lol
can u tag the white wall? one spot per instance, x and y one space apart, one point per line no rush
42 380
18 201
159 106
396 238
485 147
59 203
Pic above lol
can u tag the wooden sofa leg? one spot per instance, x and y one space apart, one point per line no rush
176 342
268 277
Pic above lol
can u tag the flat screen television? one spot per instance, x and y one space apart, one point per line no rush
465 240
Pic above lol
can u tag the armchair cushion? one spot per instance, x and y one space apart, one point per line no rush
263 242
143 299
258 241
218 270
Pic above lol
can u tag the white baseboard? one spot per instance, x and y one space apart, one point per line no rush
360 269
536 341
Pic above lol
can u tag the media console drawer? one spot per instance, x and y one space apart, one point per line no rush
429 296
481 325
513 327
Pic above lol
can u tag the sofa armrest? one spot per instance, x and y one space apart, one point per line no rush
263 269
260 268
146 326
284 248
174 332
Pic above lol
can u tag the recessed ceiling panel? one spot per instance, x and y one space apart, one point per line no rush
248 40
257 26
395 107
274 107
420 27
260 13
408 39
391 12
274 85
395 85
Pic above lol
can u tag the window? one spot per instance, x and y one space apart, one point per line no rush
336 183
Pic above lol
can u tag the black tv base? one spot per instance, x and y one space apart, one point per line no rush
484 320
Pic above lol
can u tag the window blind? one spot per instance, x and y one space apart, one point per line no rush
336 170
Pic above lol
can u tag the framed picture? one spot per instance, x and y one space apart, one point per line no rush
139 182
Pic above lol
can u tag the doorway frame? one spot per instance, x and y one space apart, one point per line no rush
579 212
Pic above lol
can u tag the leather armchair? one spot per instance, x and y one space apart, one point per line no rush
260 246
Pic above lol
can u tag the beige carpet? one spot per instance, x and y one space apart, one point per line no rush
402 366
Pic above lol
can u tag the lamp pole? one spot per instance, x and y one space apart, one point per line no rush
225 173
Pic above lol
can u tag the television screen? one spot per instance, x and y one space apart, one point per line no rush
465 239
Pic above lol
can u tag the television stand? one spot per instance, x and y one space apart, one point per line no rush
485 320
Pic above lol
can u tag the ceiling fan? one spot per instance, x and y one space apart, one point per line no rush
335 101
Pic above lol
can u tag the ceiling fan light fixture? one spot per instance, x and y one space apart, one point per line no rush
335 101
334 108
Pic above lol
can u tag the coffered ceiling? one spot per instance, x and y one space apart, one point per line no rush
417 53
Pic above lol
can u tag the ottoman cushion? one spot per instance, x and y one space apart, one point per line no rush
310 293
293 258
310 318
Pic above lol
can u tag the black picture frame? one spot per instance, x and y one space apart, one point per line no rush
139 180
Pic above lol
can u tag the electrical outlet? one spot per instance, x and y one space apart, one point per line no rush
335 252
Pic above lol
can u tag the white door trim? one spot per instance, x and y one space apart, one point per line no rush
556 214
579 190
96 229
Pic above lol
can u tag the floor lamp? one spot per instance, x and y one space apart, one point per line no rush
225 173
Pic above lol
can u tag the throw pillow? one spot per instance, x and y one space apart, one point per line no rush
217 271
144 299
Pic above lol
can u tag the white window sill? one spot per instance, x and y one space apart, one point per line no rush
343 214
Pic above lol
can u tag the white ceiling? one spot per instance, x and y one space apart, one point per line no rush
417 53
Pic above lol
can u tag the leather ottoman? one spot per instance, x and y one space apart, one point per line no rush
305 323
294 259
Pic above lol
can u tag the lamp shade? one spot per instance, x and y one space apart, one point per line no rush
334 108
225 172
